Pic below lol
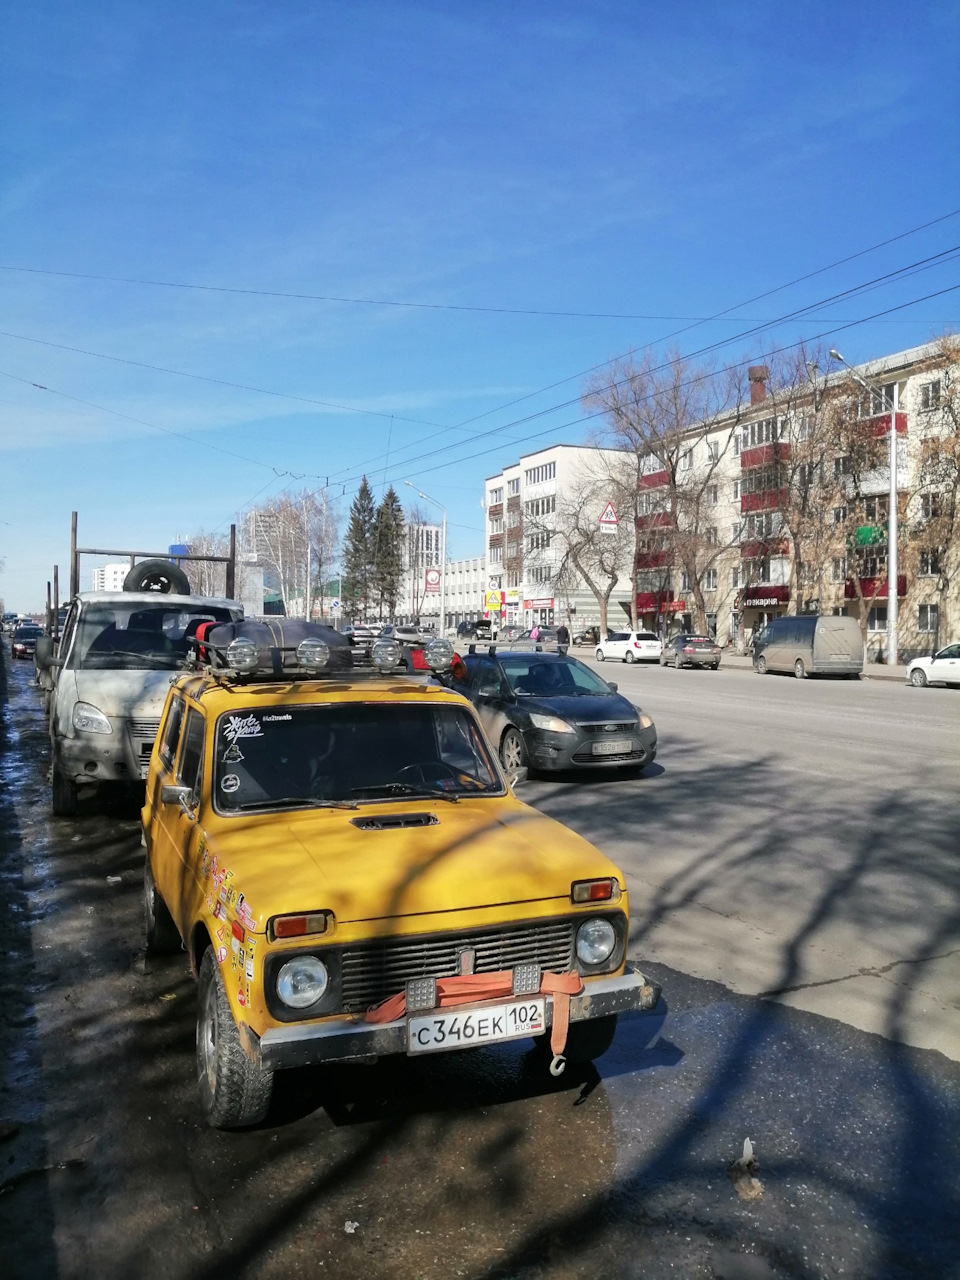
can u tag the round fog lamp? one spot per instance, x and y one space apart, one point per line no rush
439 654
386 654
595 941
313 654
242 655
301 982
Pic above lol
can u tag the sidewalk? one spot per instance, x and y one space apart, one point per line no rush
871 670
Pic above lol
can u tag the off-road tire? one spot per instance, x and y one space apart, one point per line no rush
513 753
161 576
63 794
234 1093
600 657
162 935
761 666
799 670
918 678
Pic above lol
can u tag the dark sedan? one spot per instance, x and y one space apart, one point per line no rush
691 651
24 642
549 711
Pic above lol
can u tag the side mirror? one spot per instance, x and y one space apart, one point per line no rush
520 776
612 686
173 794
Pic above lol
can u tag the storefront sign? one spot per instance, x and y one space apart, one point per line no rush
513 595
538 604
650 601
673 606
763 595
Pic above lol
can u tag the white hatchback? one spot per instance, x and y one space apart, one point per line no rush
629 646
942 668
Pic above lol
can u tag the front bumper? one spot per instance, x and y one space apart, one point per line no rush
345 1039
120 756
555 751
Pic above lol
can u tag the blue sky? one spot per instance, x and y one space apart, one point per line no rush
629 159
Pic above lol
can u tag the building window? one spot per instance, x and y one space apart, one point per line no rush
735 532
736 490
513 519
839 515
930 396
513 487
496 495
713 494
877 619
713 450
876 508
710 535
930 563
928 617
804 427
841 467
838 571
737 577
541 506
763 432
496 554
538 541
542 573
710 580
496 524
876 402
513 550
764 525
736 444
805 474
537 475
684 580
686 460
930 506
513 578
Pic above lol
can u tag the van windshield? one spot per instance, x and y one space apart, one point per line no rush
137 636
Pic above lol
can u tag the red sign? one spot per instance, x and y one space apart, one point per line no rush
673 606
650 601
761 595
431 580
538 604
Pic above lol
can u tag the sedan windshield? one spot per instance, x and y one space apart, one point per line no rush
137 635
348 753
538 677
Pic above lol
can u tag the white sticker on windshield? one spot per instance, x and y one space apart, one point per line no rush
230 783
232 755
242 727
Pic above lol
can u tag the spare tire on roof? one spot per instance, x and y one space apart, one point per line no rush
277 641
161 576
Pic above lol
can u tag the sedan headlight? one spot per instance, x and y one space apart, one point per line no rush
645 721
90 719
595 941
553 724
302 981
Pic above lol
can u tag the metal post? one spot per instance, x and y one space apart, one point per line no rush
231 584
56 602
443 572
893 603
74 558
49 611
306 589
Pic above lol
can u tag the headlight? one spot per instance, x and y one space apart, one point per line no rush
242 654
312 654
595 941
553 724
385 654
301 982
90 719
645 721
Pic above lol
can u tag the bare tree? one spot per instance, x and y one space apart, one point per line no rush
294 535
207 579
665 420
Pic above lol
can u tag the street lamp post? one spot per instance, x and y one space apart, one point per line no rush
443 552
892 515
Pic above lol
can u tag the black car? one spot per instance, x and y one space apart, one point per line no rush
691 651
477 629
549 711
24 641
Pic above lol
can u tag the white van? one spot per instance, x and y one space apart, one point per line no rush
112 668
810 644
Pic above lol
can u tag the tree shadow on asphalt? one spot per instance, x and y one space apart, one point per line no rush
598 1174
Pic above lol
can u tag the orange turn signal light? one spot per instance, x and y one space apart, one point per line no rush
298 926
607 890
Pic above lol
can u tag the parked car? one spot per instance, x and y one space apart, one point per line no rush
405 633
545 635
691 651
477 629
549 711
9 623
351 876
630 646
809 644
23 643
942 668
587 635
511 632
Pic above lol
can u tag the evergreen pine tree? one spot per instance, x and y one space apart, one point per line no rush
358 553
388 552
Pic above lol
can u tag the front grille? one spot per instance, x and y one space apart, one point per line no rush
585 755
144 729
372 973
605 726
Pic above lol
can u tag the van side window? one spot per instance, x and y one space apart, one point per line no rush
171 733
191 754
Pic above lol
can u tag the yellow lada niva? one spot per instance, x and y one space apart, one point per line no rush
350 874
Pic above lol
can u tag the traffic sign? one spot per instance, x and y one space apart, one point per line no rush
609 515
335 606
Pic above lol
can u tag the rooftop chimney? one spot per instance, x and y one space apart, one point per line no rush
758 374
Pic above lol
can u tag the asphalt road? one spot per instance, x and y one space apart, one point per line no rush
789 834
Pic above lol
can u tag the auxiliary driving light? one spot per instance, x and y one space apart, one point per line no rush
242 654
439 654
312 654
385 654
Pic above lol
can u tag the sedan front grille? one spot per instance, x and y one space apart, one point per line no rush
372 973
605 726
144 729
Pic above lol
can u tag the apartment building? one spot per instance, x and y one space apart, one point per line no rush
790 512
109 577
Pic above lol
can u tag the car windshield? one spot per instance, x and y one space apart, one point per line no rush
348 753
538 677
137 635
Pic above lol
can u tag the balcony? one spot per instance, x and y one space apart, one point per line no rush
870 535
880 425
764 500
654 520
656 480
773 546
762 455
874 588
653 559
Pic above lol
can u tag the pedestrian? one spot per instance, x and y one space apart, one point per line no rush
563 638
534 632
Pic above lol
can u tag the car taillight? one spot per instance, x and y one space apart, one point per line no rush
298 926
688 648
606 890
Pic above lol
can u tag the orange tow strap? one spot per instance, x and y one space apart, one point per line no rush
471 987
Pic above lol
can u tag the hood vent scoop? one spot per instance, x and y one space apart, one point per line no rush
394 821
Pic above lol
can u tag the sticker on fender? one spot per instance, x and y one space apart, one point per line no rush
462 1029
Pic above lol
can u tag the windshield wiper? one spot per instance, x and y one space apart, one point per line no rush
403 789
308 802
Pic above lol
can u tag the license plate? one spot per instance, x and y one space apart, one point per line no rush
617 747
144 770
435 1032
